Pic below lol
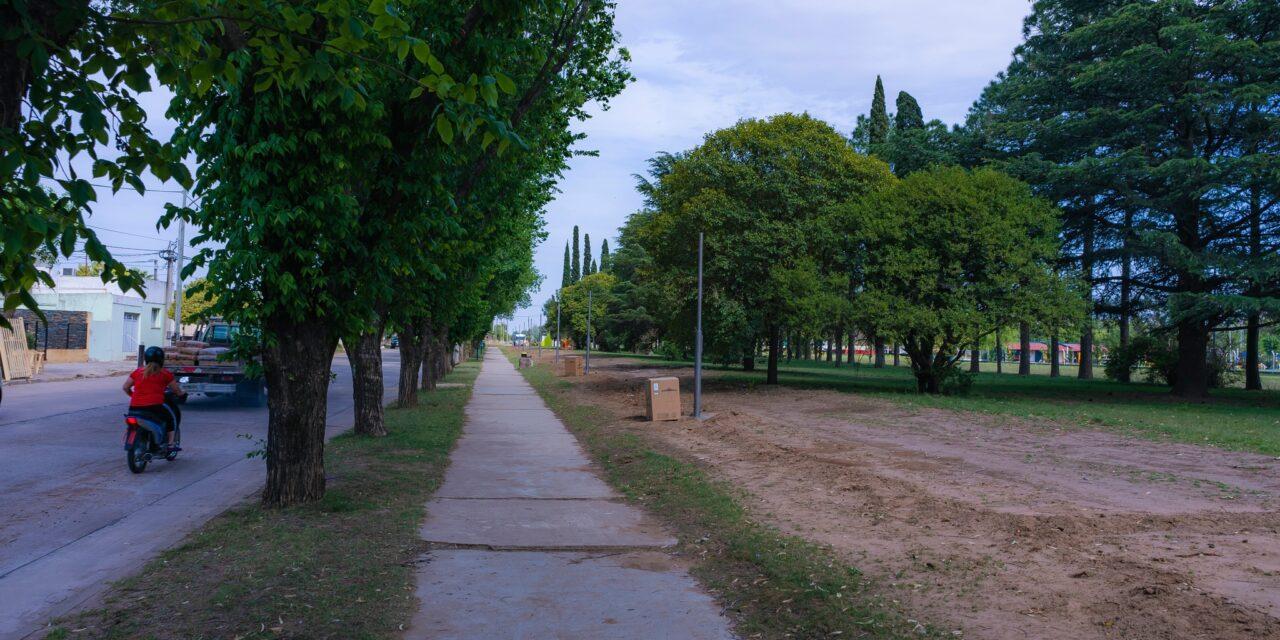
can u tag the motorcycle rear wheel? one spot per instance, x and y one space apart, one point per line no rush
136 456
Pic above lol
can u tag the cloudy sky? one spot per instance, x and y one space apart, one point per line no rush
701 65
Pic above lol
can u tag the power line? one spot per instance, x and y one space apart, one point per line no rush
127 233
122 186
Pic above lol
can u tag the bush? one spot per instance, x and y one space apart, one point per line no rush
1160 356
955 382
669 350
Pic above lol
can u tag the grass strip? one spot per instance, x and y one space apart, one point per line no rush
774 585
339 568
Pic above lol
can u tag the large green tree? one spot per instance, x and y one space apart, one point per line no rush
1153 124
575 267
757 190
955 247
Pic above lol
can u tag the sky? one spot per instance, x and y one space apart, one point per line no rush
702 65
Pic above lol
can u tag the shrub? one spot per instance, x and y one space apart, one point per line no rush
1160 356
956 382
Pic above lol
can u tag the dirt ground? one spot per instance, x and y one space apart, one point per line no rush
994 527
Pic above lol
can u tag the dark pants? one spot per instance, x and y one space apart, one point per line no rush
167 414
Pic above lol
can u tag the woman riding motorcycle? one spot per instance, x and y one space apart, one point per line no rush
146 388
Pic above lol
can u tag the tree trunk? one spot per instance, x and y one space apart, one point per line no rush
429 373
444 362
999 353
1085 371
974 366
1054 364
878 343
1191 379
839 346
791 347
749 360
771 377
1252 377
365 354
1126 290
410 361
853 347
1024 347
1252 359
828 349
1086 350
297 365
896 361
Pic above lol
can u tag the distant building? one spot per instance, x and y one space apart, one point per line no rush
1069 352
106 324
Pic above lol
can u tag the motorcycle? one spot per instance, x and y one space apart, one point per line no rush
145 438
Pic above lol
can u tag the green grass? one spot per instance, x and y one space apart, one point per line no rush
1232 418
775 585
338 568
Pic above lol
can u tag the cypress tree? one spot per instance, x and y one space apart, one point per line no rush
879 131
576 269
567 278
909 115
604 256
586 255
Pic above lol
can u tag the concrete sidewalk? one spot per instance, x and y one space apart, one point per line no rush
528 542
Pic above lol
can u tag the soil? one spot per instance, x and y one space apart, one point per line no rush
989 526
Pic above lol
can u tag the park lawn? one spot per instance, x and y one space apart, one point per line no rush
339 568
1231 418
774 585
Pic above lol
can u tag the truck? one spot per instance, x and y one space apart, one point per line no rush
201 366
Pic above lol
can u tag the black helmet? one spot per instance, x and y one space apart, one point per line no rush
153 354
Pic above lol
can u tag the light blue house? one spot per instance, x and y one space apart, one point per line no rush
118 321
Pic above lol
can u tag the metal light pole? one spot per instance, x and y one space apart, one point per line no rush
586 364
177 301
697 343
169 256
557 327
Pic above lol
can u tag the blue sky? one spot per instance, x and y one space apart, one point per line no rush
701 65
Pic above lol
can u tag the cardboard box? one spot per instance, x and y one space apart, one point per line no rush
662 398
525 361
570 366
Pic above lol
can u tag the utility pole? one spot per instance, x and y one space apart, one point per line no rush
169 256
558 325
541 329
697 343
177 303
586 364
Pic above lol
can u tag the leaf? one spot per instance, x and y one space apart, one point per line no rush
435 65
444 128
506 84
263 84
422 52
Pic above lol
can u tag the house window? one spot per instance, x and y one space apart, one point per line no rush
155 318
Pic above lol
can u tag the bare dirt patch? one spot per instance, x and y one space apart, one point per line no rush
998 527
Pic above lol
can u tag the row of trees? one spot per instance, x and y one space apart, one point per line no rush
1152 126
360 167
579 265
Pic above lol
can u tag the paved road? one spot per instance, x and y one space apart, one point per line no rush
74 518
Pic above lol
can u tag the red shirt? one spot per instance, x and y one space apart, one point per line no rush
149 390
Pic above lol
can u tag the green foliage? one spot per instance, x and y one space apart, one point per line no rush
199 300
566 278
575 267
71 80
1154 124
1159 356
759 191
954 251
90 270
879 123
604 256
587 266
597 289
909 115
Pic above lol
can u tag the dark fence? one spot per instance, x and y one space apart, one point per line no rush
59 330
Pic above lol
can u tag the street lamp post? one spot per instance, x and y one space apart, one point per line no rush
586 364
697 343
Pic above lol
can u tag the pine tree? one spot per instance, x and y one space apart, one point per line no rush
604 256
567 278
576 270
586 255
879 132
909 115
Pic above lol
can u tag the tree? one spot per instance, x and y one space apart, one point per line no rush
587 268
909 115
605 265
92 269
596 288
1142 119
576 267
757 191
878 132
954 246
198 302
69 80
566 278
310 238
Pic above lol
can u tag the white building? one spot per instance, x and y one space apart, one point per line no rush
118 322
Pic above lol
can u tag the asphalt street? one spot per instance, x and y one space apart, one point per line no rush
75 518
